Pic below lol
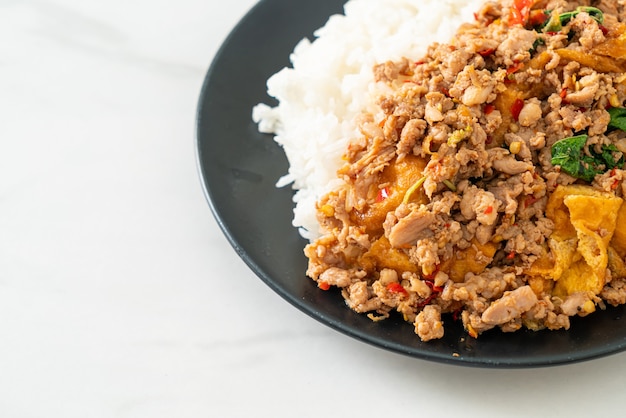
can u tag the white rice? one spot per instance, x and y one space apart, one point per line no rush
331 83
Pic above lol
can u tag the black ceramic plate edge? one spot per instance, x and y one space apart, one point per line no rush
235 178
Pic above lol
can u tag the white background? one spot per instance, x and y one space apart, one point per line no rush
120 297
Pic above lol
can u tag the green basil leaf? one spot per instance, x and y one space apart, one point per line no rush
566 153
569 154
607 156
618 118
587 169
594 12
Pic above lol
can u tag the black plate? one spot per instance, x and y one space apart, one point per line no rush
240 166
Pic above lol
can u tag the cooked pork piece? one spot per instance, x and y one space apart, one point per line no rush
489 186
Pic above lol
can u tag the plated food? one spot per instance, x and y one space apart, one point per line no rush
480 180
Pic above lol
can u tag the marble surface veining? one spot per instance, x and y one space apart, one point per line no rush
120 297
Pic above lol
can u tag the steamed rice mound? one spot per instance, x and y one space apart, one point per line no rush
331 82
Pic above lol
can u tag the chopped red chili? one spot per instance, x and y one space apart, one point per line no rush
515 17
489 107
426 301
537 17
510 255
323 285
615 181
396 287
604 29
516 108
512 70
435 290
431 285
486 52
515 68
519 13
382 194
488 210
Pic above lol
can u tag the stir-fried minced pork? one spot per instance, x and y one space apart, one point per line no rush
490 185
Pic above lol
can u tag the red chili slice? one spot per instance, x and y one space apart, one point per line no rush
396 287
515 67
323 285
486 52
516 108
382 194
604 29
519 13
537 17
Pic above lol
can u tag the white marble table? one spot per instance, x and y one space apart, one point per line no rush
116 285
